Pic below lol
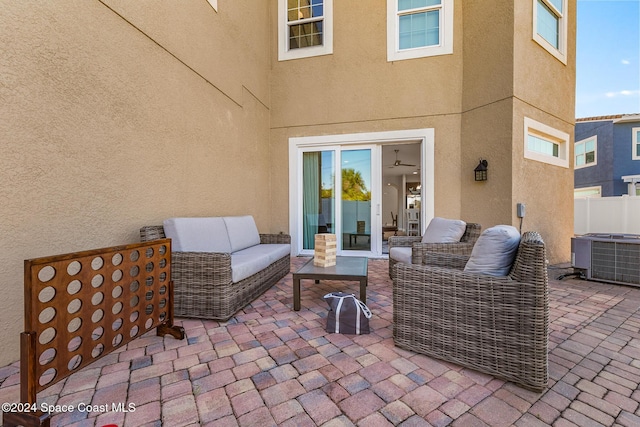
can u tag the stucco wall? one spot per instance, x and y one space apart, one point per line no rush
120 114
487 55
508 76
475 99
356 83
486 133
487 111
544 90
356 90
546 190
540 79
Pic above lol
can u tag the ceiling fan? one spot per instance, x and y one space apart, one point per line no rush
399 162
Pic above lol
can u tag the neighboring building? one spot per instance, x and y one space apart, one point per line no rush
607 156
116 114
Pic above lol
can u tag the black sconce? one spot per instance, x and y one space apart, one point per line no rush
481 170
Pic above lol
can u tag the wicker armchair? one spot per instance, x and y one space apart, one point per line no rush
496 325
202 280
418 249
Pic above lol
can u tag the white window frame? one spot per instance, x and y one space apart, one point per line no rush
285 54
561 51
555 136
595 152
214 4
635 139
393 37
597 189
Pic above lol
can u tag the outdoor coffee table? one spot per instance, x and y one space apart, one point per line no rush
346 268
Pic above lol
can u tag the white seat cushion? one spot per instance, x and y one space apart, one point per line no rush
442 230
243 232
197 234
248 262
495 251
401 254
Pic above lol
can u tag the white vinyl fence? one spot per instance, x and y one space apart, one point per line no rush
607 215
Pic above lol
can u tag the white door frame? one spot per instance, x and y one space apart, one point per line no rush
426 138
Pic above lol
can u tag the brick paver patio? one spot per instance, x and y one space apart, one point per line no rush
270 365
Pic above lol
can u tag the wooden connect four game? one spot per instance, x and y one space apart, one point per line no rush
81 306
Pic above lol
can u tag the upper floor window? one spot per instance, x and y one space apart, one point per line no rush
636 143
418 28
550 26
585 152
545 144
305 28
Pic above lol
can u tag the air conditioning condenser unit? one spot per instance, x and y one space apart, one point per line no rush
613 258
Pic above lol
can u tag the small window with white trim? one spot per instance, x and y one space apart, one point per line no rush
305 28
635 143
550 26
545 144
419 28
579 193
586 152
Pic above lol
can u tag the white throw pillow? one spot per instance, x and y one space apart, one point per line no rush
495 251
442 230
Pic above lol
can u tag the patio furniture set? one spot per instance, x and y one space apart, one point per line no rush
476 299
479 300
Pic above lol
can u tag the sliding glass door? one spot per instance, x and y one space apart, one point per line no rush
335 186
337 194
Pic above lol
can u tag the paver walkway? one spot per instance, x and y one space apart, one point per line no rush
270 365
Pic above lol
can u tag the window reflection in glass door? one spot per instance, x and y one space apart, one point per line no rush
356 199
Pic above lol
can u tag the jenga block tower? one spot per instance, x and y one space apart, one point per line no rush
325 250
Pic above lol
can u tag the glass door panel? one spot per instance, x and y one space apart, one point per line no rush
318 181
356 183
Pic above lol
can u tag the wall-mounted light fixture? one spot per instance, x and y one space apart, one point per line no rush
481 170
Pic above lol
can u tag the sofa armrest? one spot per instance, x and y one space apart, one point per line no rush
441 259
151 232
275 238
403 240
201 269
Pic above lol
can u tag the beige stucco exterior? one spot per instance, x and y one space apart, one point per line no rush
116 114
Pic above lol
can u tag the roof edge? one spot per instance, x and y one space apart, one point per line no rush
616 118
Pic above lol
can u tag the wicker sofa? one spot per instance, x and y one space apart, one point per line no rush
414 246
497 325
215 284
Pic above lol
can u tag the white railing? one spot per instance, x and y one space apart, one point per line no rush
607 215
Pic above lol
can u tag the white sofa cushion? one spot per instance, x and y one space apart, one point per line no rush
197 234
495 251
243 232
249 261
442 230
400 254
